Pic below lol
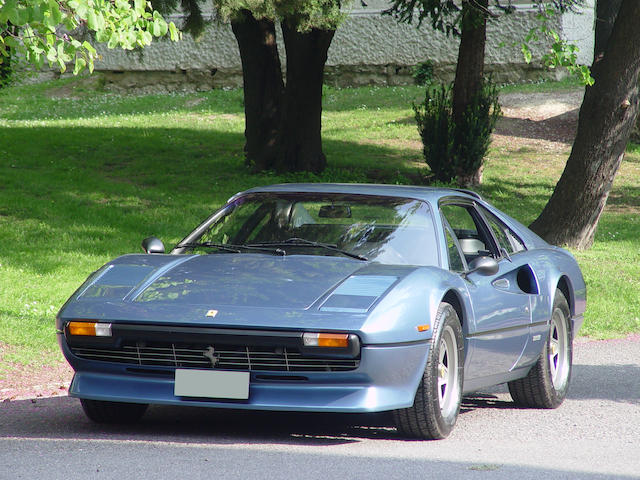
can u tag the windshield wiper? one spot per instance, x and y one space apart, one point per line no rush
229 247
303 242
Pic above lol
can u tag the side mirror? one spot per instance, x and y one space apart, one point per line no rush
484 266
152 245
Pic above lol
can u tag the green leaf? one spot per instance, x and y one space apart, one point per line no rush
147 38
54 10
15 16
61 65
113 40
526 52
23 17
89 48
92 20
51 54
155 28
35 12
101 24
60 51
173 31
11 42
164 28
81 8
103 36
139 6
9 11
50 23
80 64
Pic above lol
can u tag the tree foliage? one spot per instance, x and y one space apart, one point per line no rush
303 16
447 16
47 30
191 9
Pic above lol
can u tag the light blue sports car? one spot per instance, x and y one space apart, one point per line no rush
330 298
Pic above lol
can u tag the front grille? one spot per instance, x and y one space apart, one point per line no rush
226 357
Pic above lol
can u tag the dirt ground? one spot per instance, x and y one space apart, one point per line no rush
539 121
544 121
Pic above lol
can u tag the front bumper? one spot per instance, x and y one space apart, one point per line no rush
386 379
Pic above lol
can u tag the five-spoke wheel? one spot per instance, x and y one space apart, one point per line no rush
547 383
437 401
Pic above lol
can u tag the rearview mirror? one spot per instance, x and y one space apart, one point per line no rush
335 211
484 266
152 245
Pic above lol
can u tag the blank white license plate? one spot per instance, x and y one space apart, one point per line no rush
211 384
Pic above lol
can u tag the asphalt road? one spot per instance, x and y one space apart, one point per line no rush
594 434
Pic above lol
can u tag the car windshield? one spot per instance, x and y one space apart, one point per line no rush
386 230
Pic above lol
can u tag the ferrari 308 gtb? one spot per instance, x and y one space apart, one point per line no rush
330 298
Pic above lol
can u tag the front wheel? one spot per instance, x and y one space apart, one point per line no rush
112 412
547 383
437 401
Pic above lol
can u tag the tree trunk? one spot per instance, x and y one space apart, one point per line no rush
607 115
469 71
606 11
263 88
300 142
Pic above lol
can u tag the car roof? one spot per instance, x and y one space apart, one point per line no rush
431 194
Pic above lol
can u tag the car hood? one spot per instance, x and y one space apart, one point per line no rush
230 288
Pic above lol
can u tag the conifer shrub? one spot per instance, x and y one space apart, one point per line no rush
455 152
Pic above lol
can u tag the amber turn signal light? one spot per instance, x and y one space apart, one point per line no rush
326 340
90 329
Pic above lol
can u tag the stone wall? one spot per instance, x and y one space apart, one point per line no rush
368 49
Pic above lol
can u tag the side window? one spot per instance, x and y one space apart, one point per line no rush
518 245
470 231
456 264
505 236
498 232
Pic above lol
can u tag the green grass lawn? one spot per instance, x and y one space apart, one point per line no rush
85 175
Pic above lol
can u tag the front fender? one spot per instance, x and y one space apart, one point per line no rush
413 302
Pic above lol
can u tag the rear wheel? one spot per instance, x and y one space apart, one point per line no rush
437 401
547 383
112 412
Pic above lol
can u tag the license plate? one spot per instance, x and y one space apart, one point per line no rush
211 384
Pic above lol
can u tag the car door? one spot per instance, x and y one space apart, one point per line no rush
498 328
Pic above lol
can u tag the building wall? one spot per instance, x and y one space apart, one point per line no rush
368 48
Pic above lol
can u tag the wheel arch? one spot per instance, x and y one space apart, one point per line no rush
564 285
452 298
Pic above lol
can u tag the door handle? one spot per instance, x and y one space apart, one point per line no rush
501 283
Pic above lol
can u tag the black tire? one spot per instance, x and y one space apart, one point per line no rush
112 412
437 401
547 383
